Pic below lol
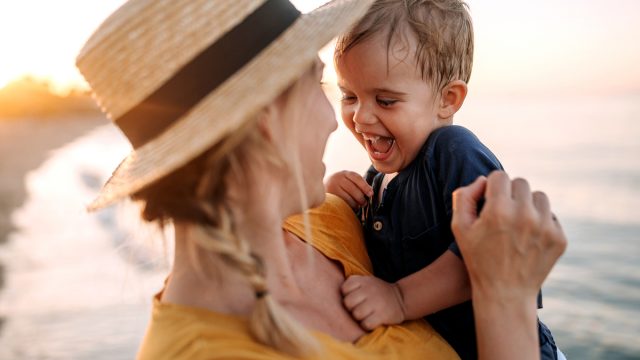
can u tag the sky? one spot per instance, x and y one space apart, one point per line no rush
522 47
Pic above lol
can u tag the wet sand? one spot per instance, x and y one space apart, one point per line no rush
24 145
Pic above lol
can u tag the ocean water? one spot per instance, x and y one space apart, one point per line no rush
79 286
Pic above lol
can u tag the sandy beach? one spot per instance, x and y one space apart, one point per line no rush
24 145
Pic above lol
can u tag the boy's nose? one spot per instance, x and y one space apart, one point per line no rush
364 116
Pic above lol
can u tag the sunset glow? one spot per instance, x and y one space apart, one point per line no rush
5 79
41 38
583 46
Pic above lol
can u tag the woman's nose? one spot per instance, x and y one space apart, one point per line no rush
334 122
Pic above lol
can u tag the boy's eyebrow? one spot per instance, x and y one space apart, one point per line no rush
343 89
389 91
378 90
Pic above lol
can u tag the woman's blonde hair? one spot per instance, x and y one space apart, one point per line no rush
442 28
198 194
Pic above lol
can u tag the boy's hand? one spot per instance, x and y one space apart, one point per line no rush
350 187
373 302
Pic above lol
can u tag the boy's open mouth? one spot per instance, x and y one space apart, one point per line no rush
378 145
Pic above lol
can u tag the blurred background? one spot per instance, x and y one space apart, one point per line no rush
555 93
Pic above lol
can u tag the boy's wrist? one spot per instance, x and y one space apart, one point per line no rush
400 298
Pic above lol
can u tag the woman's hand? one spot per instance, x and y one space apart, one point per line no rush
509 249
511 246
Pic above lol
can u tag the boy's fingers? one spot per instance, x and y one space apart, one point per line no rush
365 188
361 311
370 322
498 185
352 283
353 300
354 192
342 194
347 197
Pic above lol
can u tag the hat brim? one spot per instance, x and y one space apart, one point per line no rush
226 108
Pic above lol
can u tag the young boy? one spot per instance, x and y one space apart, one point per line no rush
403 71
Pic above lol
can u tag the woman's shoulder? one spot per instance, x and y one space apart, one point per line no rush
183 332
335 231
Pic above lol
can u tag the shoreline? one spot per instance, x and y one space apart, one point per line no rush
24 145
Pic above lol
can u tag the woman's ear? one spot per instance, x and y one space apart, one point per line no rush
451 98
265 122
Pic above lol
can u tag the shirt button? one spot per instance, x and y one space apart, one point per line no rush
377 226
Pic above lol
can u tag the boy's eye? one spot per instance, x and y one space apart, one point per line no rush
386 102
347 98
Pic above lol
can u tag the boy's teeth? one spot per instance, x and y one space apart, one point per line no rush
381 144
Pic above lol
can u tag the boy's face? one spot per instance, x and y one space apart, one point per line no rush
385 103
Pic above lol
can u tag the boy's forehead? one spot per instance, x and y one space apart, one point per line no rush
400 41
380 57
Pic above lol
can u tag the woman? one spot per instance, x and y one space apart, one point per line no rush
222 103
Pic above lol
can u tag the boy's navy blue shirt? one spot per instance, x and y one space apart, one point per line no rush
411 226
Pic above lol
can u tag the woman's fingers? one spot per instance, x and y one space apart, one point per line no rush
498 186
465 204
541 203
520 190
554 237
520 233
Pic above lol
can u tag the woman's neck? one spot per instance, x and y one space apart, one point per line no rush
267 242
302 280
212 283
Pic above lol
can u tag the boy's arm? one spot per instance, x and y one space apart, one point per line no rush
442 284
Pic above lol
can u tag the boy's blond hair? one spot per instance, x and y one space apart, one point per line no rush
442 28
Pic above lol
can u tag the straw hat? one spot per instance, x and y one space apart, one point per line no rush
178 75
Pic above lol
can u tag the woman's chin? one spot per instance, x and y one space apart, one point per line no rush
315 198
318 199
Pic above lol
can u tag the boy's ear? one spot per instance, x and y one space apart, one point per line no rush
451 98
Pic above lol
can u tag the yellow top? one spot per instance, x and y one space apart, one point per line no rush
181 332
